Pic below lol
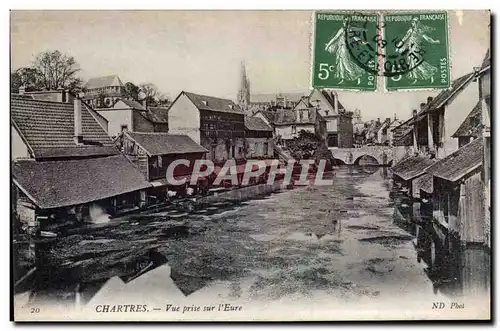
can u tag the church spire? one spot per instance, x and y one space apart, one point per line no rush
244 91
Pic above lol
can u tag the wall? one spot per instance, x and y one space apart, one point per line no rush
159 171
323 104
141 124
220 150
472 216
286 130
255 147
456 112
346 132
184 118
332 124
160 127
116 118
19 148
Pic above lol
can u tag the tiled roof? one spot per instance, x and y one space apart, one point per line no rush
412 167
256 124
461 162
444 96
471 126
99 82
158 114
403 137
133 104
288 116
47 126
53 184
425 183
213 104
159 143
269 115
330 100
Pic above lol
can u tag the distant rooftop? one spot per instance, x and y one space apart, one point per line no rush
105 81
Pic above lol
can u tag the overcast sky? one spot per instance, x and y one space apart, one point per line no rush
201 51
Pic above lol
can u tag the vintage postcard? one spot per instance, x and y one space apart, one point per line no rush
324 165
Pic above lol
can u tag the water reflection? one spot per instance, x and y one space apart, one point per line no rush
335 239
454 269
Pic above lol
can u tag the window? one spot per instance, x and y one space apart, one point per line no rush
124 128
294 129
266 148
301 115
160 161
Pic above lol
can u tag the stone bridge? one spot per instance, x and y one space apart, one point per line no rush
381 155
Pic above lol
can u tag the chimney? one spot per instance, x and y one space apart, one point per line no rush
378 119
22 89
395 117
429 99
77 105
415 112
60 95
335 101
284 102
422 105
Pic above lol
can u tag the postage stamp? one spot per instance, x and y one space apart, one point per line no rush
342 52
416 50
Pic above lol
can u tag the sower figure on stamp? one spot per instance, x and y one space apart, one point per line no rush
411 43
345 67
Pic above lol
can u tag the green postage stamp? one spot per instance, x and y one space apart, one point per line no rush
419 42
410 50
335 61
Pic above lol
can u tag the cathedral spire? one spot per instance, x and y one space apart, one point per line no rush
244 91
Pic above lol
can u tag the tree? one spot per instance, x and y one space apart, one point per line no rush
26 77
153 96
56 70
308 146
132 91
49 71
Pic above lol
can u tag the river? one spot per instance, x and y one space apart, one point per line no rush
341 241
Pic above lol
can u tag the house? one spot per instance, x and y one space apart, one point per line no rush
459 195
153 152
289 122
407 173
371 132
391 130
471 127
383 132
216 124
275 100
259 138
339 125
130 115
437 118
103 92
66 167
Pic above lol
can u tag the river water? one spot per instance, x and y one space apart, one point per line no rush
341 241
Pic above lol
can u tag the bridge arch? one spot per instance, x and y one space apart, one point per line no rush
366 159
382 154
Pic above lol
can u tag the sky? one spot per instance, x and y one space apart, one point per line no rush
201 51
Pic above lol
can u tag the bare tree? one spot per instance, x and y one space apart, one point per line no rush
56 70
153 96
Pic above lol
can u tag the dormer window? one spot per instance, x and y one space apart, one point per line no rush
205 103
